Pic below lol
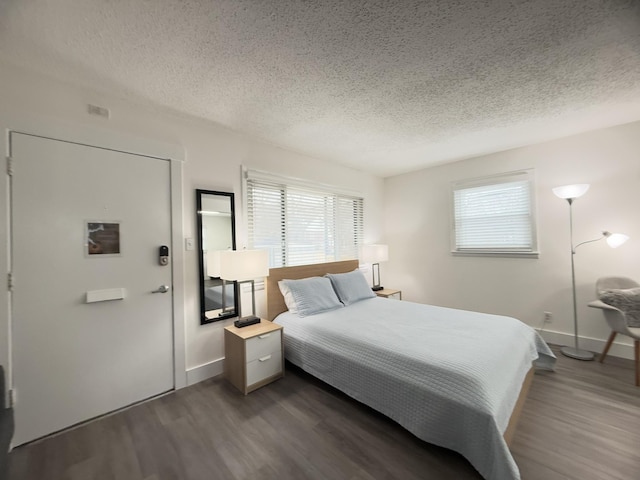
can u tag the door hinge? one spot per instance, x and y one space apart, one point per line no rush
9 166
10 281
13 397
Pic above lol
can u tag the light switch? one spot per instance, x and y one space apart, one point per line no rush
188 244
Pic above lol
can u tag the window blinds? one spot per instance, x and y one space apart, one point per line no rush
299 225
494 217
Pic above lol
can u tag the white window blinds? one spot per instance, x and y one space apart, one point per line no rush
301 225
495 215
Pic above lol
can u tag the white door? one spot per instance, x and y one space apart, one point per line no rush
74 360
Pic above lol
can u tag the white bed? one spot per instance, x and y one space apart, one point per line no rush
451 377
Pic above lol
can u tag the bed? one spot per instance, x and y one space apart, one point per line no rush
453 378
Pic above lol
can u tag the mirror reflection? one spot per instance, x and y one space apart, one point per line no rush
216 229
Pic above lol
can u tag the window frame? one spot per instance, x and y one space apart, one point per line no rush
527 175
298 186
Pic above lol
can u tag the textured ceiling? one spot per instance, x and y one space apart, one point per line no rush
383 86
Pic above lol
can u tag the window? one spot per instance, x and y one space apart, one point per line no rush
495 216
301 224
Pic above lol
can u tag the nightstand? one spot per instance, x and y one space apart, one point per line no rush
388 293
253 355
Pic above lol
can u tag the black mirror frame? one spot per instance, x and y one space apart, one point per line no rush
203 318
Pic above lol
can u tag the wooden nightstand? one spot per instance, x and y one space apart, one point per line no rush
387 293
254 355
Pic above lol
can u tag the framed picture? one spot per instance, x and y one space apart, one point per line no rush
102 239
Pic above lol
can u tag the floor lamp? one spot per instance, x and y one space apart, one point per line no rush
614 240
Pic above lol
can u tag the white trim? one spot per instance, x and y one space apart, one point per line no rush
504 177
476 253
525 174
295 182
205 371
55 128
177 270
595 345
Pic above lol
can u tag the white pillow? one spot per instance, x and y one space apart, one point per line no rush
309 296
351 287
288 296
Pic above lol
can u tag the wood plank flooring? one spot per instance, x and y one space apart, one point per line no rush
581 422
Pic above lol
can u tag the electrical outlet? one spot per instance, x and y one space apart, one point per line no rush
547 317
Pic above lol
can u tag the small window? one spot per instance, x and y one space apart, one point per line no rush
495 215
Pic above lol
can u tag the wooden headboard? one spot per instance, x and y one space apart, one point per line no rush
275 300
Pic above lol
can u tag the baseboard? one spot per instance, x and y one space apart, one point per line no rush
216 367
204 371
596 345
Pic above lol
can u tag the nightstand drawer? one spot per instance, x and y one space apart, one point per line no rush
261 345
264 367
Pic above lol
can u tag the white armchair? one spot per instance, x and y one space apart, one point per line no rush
616 318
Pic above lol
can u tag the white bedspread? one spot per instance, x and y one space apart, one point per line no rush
451 377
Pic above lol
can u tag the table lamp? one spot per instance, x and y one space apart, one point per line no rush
374 254
244 266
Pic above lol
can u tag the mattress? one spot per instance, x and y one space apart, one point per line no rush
451 377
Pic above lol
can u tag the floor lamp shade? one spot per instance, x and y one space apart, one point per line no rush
571 191
616 239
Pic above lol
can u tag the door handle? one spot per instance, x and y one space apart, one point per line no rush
161 289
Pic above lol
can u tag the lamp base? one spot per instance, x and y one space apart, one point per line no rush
577 353
377 288
246 321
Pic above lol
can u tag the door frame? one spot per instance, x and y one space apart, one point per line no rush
99 137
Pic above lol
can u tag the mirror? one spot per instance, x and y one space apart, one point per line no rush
216 232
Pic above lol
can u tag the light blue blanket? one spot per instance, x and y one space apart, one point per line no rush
451 377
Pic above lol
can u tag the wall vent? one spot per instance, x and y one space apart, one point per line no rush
99 111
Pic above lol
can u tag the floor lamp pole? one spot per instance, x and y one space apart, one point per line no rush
568 351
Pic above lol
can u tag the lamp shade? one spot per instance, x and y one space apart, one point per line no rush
375 253
243 264
571 191
213 263
616 239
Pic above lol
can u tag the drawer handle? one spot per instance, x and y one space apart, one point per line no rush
264 336
264 359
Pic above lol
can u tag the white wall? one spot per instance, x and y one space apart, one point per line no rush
214 156
417 226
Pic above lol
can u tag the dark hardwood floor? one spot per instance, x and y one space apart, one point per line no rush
581 422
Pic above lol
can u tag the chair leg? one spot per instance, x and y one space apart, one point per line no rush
636 345
607 346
